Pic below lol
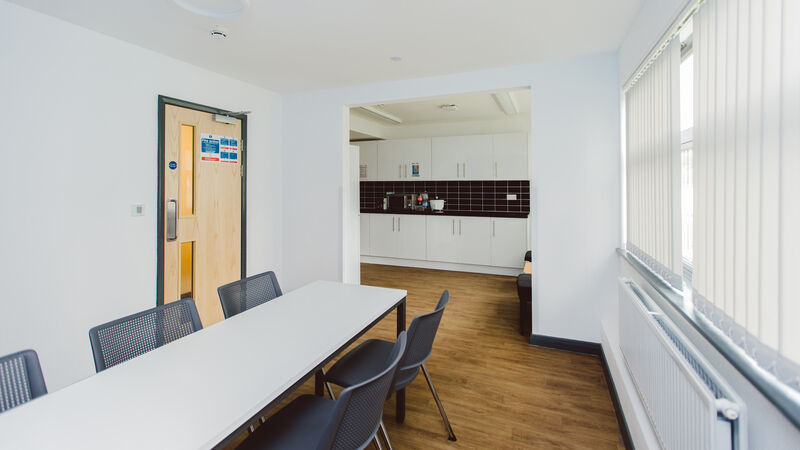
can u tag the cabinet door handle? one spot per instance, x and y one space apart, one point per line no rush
405 175
398 224
493 228
454 227
458 170
392 224
463 171
495 169
459 227
399 171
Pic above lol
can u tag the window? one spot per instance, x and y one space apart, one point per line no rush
738 176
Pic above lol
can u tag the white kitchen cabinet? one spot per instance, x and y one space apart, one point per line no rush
411 240
462 157
509 241
368 160
365 238
459 240
474 246
397 236
383 235
441 238
510 154
398 157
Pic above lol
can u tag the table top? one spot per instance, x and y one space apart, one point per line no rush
196 391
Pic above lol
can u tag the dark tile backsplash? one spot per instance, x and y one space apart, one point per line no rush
484 196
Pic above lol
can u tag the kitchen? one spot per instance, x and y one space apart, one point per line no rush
448 186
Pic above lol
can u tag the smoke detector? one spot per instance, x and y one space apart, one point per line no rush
449 107
219 32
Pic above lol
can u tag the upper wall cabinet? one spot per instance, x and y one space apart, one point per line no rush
510 153
462 157
368 157
404 159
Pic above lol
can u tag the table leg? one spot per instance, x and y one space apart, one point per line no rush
400 396
319 381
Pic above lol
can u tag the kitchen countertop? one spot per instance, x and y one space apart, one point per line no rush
518 215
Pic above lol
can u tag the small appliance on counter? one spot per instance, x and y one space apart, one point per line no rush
396 202
437 205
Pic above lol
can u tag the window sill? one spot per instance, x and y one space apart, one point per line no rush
783 397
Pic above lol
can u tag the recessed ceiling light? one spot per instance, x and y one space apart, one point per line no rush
219 32
218 9
449 107
396 58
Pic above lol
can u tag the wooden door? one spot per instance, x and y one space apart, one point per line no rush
203 208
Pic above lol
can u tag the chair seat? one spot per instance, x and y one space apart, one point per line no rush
361 363
299 425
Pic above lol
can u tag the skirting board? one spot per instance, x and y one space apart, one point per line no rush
594 349
570 345
491 270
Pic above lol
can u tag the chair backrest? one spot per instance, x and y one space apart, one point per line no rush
21 379
420 342
244 294
358 411
120 340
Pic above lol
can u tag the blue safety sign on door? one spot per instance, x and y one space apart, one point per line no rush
173 165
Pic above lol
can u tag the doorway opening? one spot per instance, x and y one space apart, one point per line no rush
444 182
201 213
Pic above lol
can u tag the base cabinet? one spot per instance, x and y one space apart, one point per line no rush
484 241
509 242
365 238
397 236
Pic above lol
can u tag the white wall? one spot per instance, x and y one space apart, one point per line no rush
79 126
511 124
575 180
653 20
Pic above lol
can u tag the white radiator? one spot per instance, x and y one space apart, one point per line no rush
689 404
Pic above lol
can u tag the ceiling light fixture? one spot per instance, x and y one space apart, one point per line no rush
219 32
382 114
218 9
506 103
449 107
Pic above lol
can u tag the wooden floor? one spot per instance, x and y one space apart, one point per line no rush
498 391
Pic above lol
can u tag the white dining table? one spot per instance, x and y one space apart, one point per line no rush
204 389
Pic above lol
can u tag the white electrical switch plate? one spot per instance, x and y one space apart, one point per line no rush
137 210
511 196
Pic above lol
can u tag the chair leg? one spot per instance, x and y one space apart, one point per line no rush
377 442
385 435
328 386
452 436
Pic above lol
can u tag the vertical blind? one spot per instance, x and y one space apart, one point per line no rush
653 166
746 274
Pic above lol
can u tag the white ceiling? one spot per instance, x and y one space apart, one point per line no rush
471 106
291 45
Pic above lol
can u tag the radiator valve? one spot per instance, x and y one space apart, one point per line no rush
727 409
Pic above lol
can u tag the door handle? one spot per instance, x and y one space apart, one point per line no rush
458 173
459 227
454 227
172 219
495 169
398 224
493 224
392 224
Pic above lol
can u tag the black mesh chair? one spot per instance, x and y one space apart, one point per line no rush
242 295
21 379
312 422
361 361
120 340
